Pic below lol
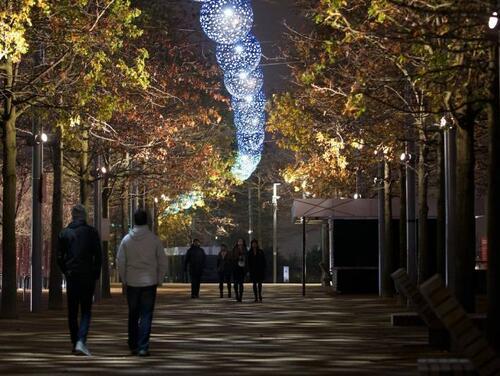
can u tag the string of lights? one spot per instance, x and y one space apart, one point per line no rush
228 23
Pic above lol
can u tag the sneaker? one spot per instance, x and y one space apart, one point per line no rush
81 349
143 353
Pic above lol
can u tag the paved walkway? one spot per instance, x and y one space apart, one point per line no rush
285 335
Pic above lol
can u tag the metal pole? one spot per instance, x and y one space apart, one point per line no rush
411 222
331 253
381 223
250 230
98 214
450 202
36 223
303 256
154 219
275 231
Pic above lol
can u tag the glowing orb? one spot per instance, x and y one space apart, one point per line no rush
226 21
242 84
243 55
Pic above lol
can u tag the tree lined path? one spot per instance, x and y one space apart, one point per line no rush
285 335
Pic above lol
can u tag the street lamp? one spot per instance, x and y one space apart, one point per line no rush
275 229
449 146
39 138
100 171
493 20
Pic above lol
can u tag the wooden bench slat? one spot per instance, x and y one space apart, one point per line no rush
472 343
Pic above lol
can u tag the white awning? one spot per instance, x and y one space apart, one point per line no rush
323 209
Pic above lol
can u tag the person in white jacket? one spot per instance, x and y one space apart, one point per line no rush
142 265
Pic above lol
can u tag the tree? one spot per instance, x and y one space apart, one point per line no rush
54 49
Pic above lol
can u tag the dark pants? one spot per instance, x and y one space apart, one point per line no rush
195 284
239 278
79 293
224 278
257 288
141 303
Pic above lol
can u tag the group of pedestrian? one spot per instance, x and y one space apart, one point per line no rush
232 267
142 266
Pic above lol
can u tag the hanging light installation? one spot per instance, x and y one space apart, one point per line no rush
238 53
226 21
243 55
243 83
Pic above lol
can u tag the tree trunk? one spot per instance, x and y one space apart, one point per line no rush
9 274
105 284
493 212
55 279
388 264
424 271
466 244
84 170
441 211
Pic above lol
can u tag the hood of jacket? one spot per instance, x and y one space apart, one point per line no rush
139 232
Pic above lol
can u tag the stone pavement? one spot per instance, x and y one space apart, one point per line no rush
285 335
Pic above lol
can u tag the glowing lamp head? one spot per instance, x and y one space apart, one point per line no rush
493 20
442 122
44 137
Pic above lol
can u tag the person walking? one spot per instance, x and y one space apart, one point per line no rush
224 270
195 260
142 265
239 258
257 269
79 257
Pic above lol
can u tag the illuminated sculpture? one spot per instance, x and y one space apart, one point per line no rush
226 21
243 83
250 121
243 55
250 143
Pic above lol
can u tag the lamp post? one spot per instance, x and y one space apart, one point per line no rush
39 138
275 230
449 136
381 223
100 171
155 220
250 225
493 212
411 221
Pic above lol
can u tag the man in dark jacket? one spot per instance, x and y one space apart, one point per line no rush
195 258
79 258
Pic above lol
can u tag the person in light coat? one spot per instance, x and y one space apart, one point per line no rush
142 265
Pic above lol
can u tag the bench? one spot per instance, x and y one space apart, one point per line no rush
437 334
468 339
445 367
